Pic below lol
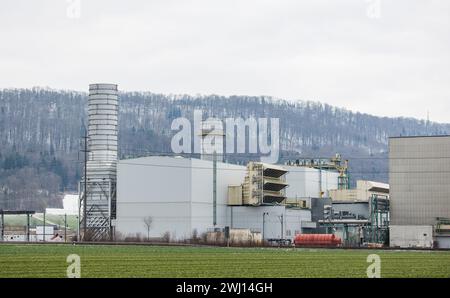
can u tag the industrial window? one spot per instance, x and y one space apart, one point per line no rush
288 232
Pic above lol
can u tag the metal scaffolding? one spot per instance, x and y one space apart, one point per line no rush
379 219
100 206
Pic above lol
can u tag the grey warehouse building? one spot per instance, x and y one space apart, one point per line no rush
420 191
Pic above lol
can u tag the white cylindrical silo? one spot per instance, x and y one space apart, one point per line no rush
99 206
102 130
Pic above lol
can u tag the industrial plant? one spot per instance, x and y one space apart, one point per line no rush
188 197
302 202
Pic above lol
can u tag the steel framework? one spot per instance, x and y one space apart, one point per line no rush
379 219
96 223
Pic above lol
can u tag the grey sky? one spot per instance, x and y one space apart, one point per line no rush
391 62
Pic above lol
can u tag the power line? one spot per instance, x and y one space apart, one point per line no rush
245 169
282 156
293 156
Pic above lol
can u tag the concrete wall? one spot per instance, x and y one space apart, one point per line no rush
443 241
411 236
305 182
295 221
419 179
252 218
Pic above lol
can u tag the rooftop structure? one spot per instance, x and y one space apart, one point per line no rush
362 193
264 184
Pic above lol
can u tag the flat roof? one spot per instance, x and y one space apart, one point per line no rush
379 189
16 212
406 137
349 202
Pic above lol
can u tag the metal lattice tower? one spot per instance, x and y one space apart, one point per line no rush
98 187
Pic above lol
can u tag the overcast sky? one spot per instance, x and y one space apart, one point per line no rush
384 57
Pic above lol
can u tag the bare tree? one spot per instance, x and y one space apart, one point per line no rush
148 221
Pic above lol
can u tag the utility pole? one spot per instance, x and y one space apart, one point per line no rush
231 211
282 226
264 224
214 188
28 227
282 222
85 151
78 223
320 179
44 232
65 227
3 225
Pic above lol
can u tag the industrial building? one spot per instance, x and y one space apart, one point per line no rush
420 191
360 215
178 193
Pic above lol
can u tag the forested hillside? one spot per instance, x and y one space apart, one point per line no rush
40 133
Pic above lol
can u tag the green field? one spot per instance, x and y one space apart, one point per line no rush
159 261
21 220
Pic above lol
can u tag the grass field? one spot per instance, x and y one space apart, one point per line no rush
157 261
21 220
